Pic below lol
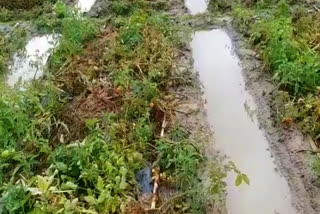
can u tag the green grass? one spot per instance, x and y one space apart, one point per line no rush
75 31
48 167
294 64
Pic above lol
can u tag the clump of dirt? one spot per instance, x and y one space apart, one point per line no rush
76 74
94 104
92 94
135 208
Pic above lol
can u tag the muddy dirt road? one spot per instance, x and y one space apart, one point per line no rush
244 129
236 131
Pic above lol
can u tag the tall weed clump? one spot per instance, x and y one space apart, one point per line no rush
287 35
295 65
75 31
14 120
25 124
45 168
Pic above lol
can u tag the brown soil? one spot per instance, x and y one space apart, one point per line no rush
90 99
95 104
75 76
20 4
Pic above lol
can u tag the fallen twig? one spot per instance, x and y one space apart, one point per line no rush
316 8
164 124
182 112
307 150
314 147
155 197
168 201
141 72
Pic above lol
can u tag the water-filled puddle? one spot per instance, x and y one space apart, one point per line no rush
236 132
85 5
196 6
31 63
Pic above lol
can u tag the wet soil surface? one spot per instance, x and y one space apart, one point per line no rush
30 63
191 112
283 142
231 112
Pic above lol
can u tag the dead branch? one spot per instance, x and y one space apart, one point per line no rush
182 112
155 197
314 147
307 150
164 124
169 201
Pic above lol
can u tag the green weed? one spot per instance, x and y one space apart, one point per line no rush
26 14
75 32
221 5
46 166
122 8
14 121
242 18
287 36
180 159
295 65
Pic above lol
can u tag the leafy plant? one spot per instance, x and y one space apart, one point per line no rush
75 32
121 76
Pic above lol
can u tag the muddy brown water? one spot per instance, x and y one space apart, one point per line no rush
85 5
231 113
30 63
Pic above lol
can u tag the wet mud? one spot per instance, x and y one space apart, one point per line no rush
30 64
231 113
282 142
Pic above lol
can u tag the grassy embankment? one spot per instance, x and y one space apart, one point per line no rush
75 141
287 35
15 18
